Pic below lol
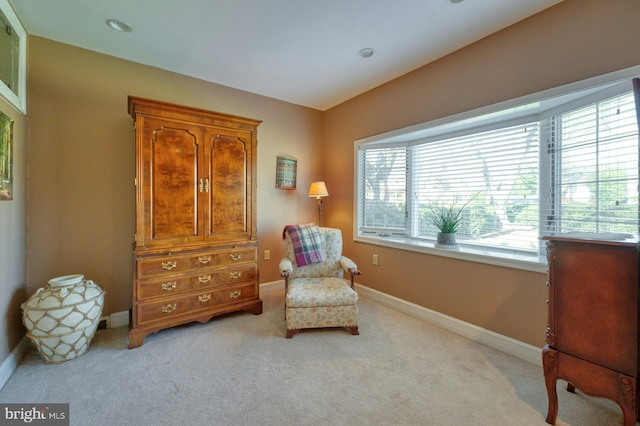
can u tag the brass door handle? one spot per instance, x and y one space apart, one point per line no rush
204 259
235 294
235 275
204 297
235 256
204 185
204 278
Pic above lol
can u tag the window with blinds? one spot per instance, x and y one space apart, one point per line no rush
594 172
560 165
383 190
495 172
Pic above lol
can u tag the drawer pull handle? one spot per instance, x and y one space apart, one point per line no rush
169 265
204 259
169 286
235 275
204 278
235 256
204 297
235 294
169 308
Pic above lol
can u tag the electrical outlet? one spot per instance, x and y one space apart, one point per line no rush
375 259
267 254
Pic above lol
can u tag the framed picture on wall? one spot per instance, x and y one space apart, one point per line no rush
13 58
6 157
286 172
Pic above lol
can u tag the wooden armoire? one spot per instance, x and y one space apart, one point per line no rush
195 253
594 319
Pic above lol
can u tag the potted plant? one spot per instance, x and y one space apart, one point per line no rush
447 218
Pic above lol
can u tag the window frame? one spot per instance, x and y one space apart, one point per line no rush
539 105
17 99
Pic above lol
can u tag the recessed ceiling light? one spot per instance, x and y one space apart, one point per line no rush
456 1
367 52
119 26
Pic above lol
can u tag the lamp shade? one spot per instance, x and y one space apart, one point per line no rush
318 190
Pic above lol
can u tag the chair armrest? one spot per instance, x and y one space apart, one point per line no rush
349 265
286 266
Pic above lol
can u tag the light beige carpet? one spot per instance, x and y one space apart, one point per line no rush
240 370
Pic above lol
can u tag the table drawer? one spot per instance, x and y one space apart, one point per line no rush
193 303
200 280
153 266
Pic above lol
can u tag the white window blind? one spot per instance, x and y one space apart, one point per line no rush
594 170
383 190
497 170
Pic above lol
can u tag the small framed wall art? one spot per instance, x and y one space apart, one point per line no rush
286 172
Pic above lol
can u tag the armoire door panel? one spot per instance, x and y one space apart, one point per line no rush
229 155
174 211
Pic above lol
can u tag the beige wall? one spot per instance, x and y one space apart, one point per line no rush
13 239
81 162
572 41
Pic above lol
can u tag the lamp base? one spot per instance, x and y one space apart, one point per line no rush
319 211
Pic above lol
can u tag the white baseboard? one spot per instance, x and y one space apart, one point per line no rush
11 362
521 350
116 319
119 319
271 285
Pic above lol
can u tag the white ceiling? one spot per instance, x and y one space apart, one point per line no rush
300 51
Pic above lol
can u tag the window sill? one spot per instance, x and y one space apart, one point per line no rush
490 257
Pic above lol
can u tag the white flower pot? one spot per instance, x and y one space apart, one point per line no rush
62 319
446 241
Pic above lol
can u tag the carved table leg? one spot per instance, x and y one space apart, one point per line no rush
550 367
627 398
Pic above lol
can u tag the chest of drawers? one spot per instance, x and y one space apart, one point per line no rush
173 288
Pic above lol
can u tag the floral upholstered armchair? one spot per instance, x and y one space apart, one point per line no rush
316 292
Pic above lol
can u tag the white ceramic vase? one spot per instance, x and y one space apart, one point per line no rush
62 318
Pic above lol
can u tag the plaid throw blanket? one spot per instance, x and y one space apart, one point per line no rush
307 244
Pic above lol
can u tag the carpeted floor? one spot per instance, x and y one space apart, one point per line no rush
240 370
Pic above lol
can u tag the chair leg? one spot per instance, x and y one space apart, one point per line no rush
290 333
354 330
